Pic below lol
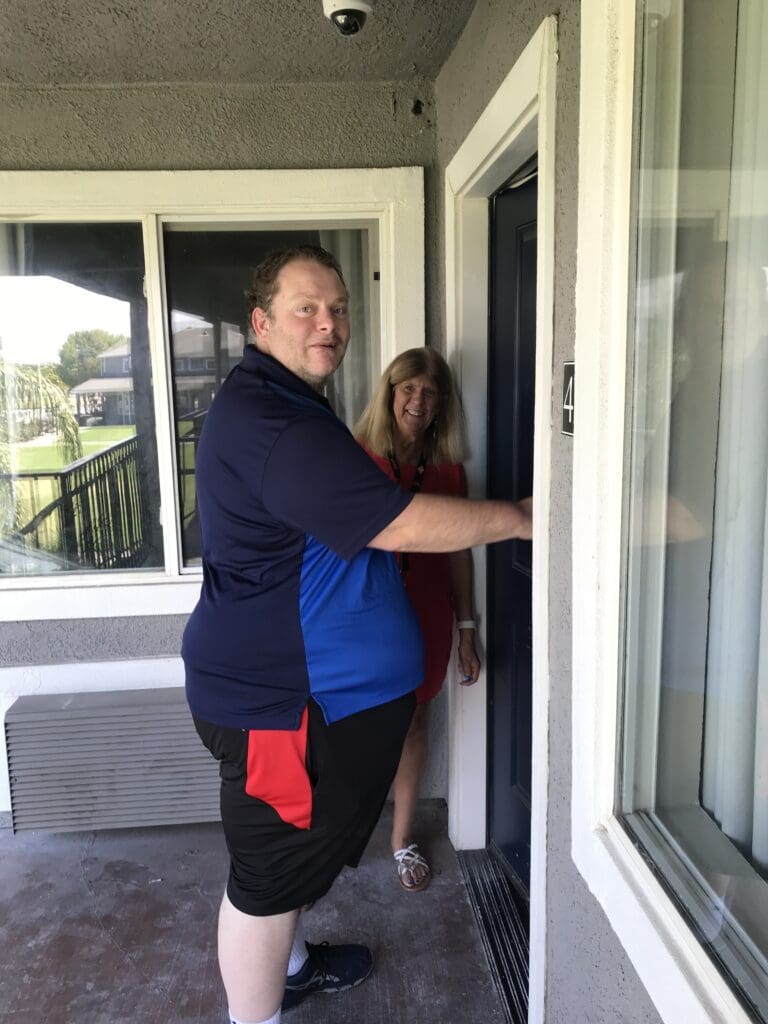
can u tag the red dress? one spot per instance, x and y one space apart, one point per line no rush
428 578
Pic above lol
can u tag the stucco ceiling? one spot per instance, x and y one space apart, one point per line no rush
48 42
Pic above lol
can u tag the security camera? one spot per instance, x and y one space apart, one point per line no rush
348 16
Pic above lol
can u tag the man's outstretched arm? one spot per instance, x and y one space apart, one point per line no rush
432 522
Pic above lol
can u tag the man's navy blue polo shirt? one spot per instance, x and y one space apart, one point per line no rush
293 603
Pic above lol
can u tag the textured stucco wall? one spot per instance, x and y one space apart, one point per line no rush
187 127
589 978
75 640
184 127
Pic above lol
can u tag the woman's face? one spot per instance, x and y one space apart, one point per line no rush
415 403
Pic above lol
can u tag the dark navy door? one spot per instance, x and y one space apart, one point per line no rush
511 386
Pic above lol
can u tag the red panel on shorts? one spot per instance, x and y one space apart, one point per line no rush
276 771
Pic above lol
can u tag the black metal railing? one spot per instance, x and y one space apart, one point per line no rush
188 431
187 449
98 513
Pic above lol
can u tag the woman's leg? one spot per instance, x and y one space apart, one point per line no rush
407 783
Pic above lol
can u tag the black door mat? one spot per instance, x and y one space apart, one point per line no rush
502 917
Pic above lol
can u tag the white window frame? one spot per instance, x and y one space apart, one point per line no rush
678 975
389 201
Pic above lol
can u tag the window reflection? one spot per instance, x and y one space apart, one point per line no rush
694 784
78 467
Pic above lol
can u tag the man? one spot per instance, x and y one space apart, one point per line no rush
303 653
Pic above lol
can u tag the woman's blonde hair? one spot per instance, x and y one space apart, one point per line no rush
444 440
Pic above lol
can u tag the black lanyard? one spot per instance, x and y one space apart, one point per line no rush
418 479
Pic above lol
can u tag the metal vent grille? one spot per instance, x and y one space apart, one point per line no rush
126 758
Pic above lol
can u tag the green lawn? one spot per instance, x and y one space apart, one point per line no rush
29 458
106 435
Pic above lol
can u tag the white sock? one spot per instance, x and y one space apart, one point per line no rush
299 949
275 1019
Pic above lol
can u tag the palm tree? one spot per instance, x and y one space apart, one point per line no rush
38 389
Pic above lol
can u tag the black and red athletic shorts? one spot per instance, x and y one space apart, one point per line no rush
298 805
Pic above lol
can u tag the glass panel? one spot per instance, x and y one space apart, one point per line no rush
207 270
78 461
694 772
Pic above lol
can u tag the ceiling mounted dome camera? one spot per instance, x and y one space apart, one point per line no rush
347 16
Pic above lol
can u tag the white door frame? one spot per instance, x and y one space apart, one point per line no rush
518 122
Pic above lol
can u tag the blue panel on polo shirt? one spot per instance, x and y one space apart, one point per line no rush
359 646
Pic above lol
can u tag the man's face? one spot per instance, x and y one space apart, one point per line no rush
307 329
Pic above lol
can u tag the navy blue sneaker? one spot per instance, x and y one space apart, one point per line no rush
328 969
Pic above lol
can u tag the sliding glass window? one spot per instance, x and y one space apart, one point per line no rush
80 486
694 752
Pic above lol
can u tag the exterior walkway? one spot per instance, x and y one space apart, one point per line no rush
119 928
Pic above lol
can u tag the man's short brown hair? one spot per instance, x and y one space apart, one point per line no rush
264 283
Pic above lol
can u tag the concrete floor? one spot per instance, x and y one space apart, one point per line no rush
119 928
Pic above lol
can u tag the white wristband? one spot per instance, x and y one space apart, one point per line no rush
466 624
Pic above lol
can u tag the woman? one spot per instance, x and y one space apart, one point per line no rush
412 429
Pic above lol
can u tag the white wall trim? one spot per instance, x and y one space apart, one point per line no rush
93 597
79 677
518 121
680 979
388 200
